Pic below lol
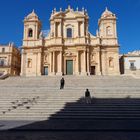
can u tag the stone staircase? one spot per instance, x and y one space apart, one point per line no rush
38 103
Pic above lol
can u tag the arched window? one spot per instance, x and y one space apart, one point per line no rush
69 33
30 33
108 30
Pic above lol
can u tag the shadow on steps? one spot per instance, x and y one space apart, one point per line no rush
106 116
100 114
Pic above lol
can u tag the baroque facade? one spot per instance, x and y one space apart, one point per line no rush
69 48
10 60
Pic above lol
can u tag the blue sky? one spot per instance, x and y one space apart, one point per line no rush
12 13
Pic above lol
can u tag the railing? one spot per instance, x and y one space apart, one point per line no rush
71 41
68 41
4 65
3 76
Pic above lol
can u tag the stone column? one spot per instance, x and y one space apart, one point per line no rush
61 29
53 63
98 62
25 32
88 65
59 64
61 61
116 64
104 62
23 64
77 64
78 29
35 32
83 29
54 29
36 63
22 71
84 64
50 69
39 64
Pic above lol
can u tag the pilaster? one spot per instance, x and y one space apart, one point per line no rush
84 64
88 71
98 61
60 65
53 71
39 64
22 73
77 64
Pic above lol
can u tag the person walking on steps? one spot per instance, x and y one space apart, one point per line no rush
62 83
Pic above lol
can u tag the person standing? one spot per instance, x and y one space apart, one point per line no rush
62 83
87 96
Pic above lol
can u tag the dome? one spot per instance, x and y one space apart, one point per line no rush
107 13
32 15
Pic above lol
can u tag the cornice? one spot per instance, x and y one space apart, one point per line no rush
35 47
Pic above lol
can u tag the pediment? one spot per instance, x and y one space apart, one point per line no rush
69 54
72 14
69 14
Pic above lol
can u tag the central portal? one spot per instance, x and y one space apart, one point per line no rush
45 70
69 67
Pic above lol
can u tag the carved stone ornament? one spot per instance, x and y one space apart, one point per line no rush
68 54
92 57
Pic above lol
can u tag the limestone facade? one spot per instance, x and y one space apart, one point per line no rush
130 63
10 59
70 48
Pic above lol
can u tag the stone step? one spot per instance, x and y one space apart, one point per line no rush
49 109
93 92
70 117
82 113
76 106
95 125
68 106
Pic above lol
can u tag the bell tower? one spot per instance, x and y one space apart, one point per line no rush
109 43
32 46
32 29
107 26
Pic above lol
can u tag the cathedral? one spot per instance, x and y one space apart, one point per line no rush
70 48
